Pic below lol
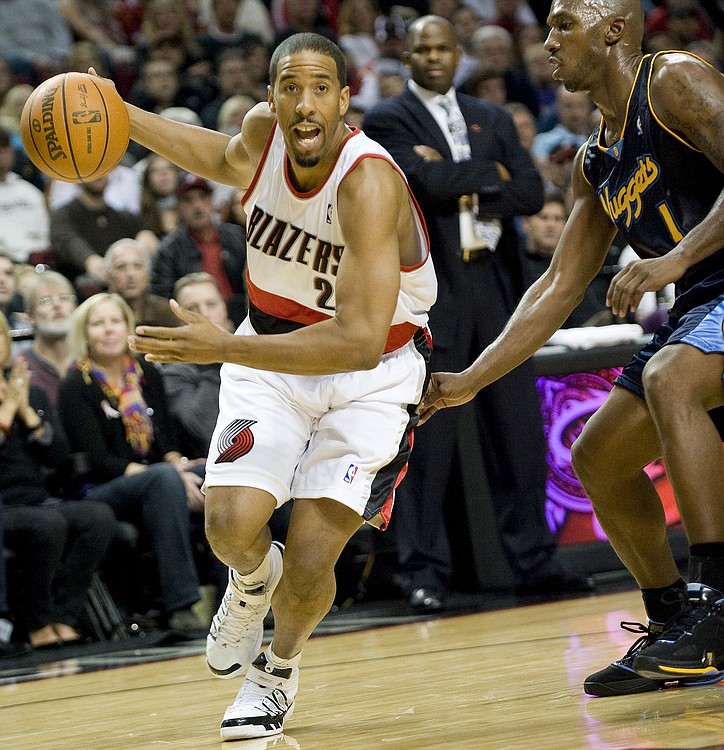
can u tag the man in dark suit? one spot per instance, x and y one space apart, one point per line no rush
458 151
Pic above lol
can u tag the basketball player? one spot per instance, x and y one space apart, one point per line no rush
652 170
318 381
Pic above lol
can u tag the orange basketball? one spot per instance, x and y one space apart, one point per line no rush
75 127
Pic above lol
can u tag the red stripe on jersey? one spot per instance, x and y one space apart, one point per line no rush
282 307
287 309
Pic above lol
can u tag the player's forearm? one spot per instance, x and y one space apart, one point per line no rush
320 349
196 150
540 313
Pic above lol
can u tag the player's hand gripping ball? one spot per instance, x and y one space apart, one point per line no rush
75 127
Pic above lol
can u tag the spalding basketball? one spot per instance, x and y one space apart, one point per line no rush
75 127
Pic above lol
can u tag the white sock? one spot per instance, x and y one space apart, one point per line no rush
258 576
278 663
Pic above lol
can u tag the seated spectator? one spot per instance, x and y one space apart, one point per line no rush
168 20
233 211
524 123
24 218
94 21
300 16
34 38
490 11
58 545
488 83
85 54
538 70
512 15
328 12
357 31
257 57
128 266
494 45
193 390
221 32
159 204
683 20
121 193
466 22
9 648
114 410
81 231
573 114
252 17
542 232
11 302
387 75
8 79
161 85
49 304
201 243
232 79
557 170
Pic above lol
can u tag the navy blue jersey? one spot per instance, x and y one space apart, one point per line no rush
656 187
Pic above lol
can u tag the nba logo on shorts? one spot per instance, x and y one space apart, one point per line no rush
350 475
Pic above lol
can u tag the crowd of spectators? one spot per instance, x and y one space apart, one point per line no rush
141 230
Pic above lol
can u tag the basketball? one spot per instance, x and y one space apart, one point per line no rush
75 127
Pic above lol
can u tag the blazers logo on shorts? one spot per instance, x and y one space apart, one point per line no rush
235 441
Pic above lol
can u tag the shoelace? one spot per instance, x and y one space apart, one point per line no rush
690 615
241 619
644 640
261 698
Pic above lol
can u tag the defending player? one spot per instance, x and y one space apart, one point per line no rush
653 170
316 391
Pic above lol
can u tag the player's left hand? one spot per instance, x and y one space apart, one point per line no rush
630 284
445 389
199 341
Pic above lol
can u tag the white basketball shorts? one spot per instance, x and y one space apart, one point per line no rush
346 436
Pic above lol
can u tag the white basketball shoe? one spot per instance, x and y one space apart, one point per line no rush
237 629
264 701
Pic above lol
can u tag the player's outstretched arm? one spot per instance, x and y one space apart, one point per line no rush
201 151
371 201
578 257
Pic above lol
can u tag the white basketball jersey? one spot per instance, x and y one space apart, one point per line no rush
295 245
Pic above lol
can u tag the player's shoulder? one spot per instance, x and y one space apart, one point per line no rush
373 175
256 126
675 73
680 85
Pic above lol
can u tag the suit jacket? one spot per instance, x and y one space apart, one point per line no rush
402 122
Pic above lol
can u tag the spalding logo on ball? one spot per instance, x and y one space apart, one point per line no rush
75 127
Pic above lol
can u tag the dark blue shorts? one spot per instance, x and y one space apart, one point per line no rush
700 327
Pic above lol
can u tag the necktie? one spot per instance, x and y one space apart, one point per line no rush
457 127
475 233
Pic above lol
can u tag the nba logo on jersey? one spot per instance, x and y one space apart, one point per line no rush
350 475
329 213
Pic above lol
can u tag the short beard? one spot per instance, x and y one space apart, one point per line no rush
306 161
52 331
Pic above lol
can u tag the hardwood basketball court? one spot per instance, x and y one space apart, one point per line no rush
495 680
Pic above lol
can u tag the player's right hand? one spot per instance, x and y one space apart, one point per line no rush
445 389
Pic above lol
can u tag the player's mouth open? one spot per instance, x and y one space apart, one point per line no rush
307 135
